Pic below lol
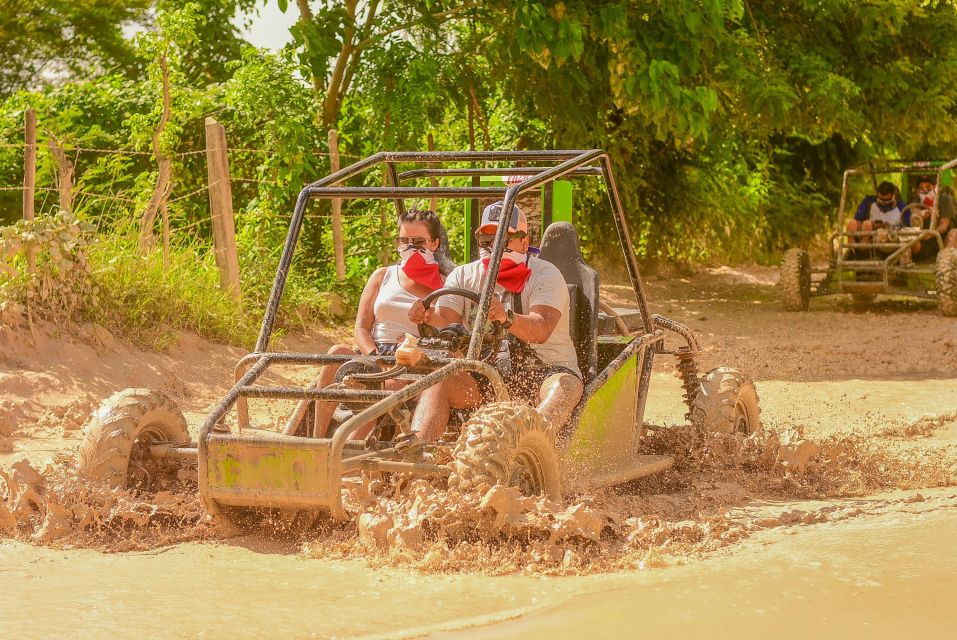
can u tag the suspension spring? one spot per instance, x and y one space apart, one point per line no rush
688 372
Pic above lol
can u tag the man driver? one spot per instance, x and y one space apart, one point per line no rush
532 305
883 210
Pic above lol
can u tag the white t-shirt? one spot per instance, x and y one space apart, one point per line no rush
546 286
892 218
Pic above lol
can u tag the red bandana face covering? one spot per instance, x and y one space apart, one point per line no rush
420 265
511 275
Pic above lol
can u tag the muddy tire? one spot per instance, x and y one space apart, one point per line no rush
506 443
121 430
795 280
726 402
946 282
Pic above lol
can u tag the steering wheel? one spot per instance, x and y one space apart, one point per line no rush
493 334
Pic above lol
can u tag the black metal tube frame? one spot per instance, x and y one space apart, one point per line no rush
570 163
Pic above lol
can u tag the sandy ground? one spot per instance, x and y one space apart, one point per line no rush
865 552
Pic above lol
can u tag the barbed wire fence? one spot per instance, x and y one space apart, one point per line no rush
215 195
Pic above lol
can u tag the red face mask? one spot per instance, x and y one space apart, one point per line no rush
511 275
421 267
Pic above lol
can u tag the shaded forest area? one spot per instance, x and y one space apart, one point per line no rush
728 121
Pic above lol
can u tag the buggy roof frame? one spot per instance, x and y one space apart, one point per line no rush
594 162
894 166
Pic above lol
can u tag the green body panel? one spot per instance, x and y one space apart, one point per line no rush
273 470
561 206
608 427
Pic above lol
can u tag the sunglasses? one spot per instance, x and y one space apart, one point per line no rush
416 241
486 240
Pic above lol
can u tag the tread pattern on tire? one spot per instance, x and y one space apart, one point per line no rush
108 439
945 281
485 450
718 393
795 280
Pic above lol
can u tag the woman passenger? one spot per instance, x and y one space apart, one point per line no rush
382 319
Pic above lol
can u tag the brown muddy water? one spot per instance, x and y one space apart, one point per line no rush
889 574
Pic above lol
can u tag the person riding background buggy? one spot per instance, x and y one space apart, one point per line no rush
919 210
538 361
885 210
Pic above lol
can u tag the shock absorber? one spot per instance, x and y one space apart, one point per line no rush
688 372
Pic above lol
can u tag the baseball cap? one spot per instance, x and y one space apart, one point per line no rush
493 213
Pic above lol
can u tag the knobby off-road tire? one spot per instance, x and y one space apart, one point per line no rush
505 443
946 282
795 280
726 402
123 428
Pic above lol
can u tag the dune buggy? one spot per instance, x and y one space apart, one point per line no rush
887 263
294 469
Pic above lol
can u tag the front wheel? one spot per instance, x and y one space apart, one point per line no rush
726 402
116 441
795 280
946 282
506 443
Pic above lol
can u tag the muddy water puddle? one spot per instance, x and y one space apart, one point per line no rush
890 576
710 548
887 573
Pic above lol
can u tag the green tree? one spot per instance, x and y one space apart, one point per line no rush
43 40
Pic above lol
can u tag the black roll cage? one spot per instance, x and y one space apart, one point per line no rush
569 163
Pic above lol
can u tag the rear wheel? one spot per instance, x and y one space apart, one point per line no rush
946 282
726 402
795 280
116 442
506 443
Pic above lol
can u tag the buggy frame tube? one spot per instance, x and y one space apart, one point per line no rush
569 163
498 247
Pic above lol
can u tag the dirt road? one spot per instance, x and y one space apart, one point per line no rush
867 552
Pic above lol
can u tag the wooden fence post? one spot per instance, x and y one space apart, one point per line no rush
434 202
29 174
337 242
64 172
221 208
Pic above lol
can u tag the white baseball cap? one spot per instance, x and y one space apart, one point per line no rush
493 213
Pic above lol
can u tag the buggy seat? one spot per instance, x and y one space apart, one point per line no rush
560 246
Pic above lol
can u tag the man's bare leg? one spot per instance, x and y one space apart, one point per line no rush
558 397
432 411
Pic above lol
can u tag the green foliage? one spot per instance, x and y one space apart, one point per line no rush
80 275
45 266
728 122
43 38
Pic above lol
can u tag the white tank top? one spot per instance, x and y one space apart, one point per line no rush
391 308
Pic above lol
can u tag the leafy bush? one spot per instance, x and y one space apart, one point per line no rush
80 275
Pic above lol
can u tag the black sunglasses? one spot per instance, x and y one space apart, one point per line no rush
487 239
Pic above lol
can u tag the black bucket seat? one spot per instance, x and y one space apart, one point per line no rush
561 247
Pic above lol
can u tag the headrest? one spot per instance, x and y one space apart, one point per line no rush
560 240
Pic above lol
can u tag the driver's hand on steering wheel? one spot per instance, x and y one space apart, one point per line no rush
496 311
419 314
